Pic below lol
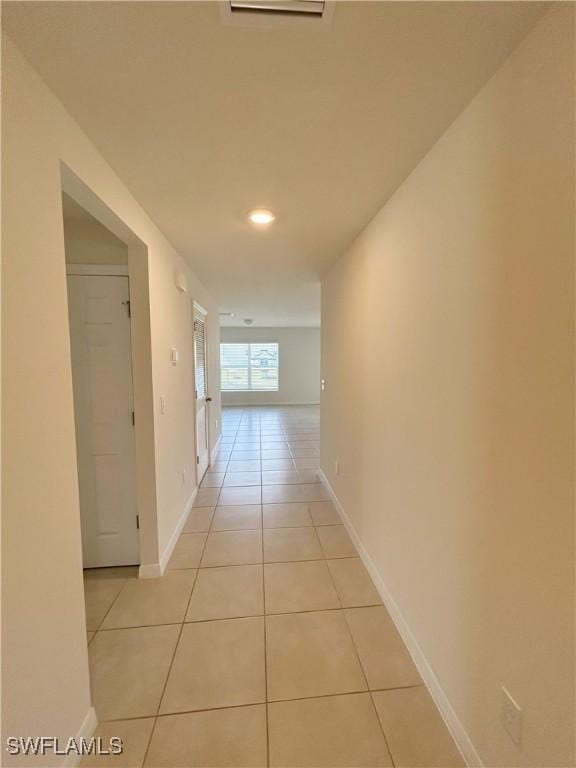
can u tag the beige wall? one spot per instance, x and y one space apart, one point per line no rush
299 365
45 673
447 346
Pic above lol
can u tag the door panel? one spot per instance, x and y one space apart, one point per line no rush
103 407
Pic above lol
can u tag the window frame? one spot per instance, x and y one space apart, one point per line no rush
249 345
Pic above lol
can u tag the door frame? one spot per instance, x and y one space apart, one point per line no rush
115 270
137 270
198 308
99 270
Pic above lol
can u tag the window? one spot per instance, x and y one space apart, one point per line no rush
249 367
200 356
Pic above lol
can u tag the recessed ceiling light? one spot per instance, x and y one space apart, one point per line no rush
261 216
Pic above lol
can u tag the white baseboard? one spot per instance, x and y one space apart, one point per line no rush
463 741
149 571
271 405
154 570
86 731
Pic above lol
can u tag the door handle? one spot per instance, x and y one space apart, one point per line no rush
208 399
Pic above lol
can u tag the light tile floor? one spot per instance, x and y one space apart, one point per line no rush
265 643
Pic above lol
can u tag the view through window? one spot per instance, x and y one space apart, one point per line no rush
249 367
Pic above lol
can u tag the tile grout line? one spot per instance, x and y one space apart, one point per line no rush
208 532
364 671
173 654
343 610
270 528
194 584
259 703
99 628
126 580
368 689
251 615
270 562
264 616
360 663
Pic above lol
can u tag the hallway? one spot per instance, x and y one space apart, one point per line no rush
265 642
288 384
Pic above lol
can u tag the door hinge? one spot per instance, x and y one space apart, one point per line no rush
133 419
127 305
137 521
197 459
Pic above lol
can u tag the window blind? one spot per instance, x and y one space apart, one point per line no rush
200 357
249 367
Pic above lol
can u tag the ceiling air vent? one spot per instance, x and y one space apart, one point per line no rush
310 8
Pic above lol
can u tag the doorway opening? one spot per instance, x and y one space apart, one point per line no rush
100 244
101 360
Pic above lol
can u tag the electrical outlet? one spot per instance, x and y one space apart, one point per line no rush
162 404
511 717
323 385
336 467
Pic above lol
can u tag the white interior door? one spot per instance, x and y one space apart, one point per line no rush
99 312
201 383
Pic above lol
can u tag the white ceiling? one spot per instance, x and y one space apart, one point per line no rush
204 120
